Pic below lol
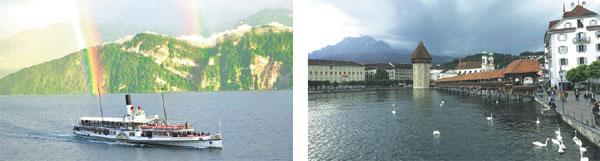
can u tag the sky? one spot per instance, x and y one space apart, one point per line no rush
19 15
446 27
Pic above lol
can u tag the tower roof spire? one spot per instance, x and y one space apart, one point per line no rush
420 55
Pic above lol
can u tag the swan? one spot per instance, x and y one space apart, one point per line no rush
442 102
576 140
436 132
561 150
555 141
537 121
490 118
562 145
583 158
559 137
557 131
394 111
537 143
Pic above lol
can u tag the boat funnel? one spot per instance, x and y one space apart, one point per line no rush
129 106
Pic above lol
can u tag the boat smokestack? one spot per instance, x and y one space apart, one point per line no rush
129 106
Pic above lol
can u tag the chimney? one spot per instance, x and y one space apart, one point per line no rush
128 103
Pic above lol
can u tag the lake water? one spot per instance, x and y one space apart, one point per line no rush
256 125
361 126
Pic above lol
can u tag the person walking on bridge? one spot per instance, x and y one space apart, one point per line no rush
577 95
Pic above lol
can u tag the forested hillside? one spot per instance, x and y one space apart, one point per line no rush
254 59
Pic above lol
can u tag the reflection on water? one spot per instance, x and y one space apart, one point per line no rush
361 126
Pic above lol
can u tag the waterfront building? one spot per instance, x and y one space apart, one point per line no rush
570 42
486 64
421 61
395 71
335 71
437 72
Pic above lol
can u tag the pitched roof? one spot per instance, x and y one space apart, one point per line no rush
468 65
522 66
563 29
552 23
515 67
420 55
331 62
578 11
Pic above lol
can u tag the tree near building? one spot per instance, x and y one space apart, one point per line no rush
381 74
577 74
593 70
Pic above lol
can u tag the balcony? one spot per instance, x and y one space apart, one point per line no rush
581 40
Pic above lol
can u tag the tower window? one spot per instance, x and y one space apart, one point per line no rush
567 25
580 23
593 22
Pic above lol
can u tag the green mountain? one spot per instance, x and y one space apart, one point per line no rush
259 58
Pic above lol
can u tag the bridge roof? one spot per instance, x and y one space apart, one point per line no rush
515 67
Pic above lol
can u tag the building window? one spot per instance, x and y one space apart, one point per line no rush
564 61
598 58
321 73
593 22
567 25
581 48
562 49
310 73
597 47
562 37
580 23
581 60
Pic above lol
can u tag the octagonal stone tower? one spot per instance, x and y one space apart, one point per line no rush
421 61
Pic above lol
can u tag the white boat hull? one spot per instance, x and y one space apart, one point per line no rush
196 141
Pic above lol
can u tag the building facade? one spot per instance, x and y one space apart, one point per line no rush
335 71
395 71
421 61
570 42
486 64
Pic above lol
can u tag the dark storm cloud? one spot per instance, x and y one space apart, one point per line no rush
458 27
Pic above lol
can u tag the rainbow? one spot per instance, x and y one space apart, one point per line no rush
87 35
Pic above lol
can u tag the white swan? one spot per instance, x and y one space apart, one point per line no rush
560 150
583 149
394 111
559 137
436 132
537 121
557 131
490 118
562 145
537 143
442 102
576 140
555 141
583 158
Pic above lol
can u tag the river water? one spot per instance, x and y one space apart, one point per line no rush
256 125
361 126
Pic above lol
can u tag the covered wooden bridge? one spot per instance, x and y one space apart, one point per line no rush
509 81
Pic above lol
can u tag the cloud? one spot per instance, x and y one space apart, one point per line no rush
461 27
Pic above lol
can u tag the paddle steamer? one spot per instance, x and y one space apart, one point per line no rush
136 127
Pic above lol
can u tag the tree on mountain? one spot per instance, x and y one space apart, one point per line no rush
381 74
